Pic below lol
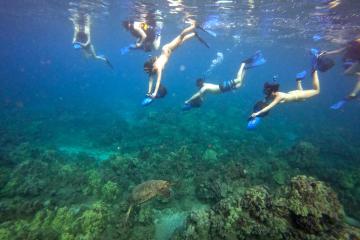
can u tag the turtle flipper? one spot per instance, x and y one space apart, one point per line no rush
128 213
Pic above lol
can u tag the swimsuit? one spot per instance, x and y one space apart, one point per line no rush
227 86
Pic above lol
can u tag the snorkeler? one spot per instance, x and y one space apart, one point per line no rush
351 64
196 99
82 38
156 65
148 35
273 96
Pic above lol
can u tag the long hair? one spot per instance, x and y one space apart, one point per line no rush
270 88
149 66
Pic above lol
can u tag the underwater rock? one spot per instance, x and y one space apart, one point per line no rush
314 207
211 190
279 177
303 155
110 191
305 209
61 223
346 180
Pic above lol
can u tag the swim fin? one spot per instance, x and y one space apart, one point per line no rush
256 60
300 76
338 105
146 101
319 62
201 40
186 107
195 103
253 122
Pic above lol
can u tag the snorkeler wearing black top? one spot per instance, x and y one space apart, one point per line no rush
148 35
351 63
82 37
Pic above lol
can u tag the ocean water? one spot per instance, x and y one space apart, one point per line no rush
75 140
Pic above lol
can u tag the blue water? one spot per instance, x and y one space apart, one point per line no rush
52 97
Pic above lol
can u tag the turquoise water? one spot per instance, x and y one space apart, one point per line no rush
75 140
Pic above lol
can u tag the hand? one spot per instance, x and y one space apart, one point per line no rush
322 53
254 115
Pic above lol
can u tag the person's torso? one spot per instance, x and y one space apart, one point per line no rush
353 51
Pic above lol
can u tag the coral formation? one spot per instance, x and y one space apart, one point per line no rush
48 193
306 209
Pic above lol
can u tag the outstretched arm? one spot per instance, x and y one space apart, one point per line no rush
335 52
267 108
158 81
199 93
151 80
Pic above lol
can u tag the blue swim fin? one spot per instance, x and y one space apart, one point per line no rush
338 105
314 58
256 60
186 107
146 101
253 122
300 75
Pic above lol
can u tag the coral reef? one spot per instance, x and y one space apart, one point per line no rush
48 193
306 209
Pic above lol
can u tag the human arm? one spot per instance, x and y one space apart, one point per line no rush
334 52
150 85
267 108
196 95
158 81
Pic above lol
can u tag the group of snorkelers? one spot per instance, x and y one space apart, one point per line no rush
148 35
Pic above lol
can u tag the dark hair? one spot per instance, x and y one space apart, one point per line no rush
149 66
270 88
126 24
199 82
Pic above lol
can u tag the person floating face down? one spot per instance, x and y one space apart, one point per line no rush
351 64
156 65
196 100
82 38
273 96
148 35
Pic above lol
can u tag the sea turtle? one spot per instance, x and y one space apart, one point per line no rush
146 191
